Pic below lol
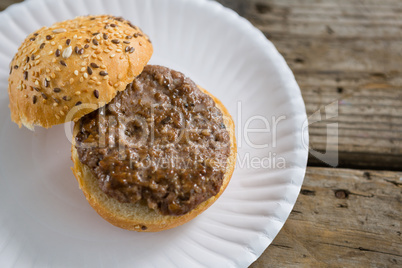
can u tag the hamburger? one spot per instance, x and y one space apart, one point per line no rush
151 149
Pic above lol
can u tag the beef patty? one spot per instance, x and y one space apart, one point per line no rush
162 140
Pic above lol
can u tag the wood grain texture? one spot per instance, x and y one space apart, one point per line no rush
5 3
343 218
345 53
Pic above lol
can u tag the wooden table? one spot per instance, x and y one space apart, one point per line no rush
347 53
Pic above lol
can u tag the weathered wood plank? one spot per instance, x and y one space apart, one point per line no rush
342 218
5 3
347 52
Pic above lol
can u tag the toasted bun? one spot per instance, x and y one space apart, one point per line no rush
55 68
137 216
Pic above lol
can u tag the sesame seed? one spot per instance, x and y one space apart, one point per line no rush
26 75
15 66
66 98
85 75
86 46
67 52
32 39
58 117
48 37
106 26
53 75
127 49
132 49
85 56
55 104
95 42
57 69
36 83
34 99
129 37
54 60
116 85
77 93
47 70
118 50
94 65
119 76
71 80
61 30
94 47
46 83
116 41
98 37
98 83
62 62
44 95
53 43
62 113
59 47
27 59
76 49
83 69
56 90
105 36
81 79
106 50
89 70
65 107
103 66
56 100
112 55
95 33
81 51
78 103
76 72
135 35
36 89
96 94
57 53
42 45
37 62
68 42
126 42
113 25
75 36
32 57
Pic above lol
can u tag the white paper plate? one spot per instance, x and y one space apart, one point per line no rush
45 220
